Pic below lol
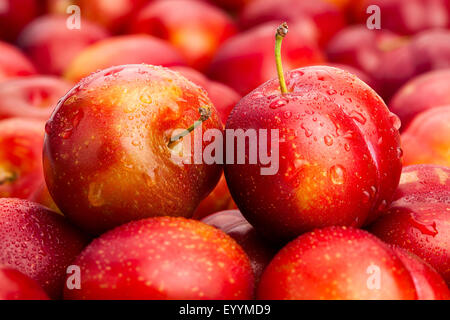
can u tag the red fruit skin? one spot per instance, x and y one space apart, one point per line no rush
20 157
339 154
233 223
407 16
218 200
427 139
247 60
113 15
223 97
197 29
429 284
96 138
120 50
333 264
13 63
14 15
326 16
31 97
14 285
164 258
38 242
418 219
51 45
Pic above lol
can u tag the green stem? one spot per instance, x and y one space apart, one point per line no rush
205 113
282 31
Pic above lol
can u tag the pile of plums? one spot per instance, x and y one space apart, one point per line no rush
157 149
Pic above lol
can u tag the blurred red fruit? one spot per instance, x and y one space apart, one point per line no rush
247 60
31 97
197 29
129 49
427 139
14 15
429 90
13 63
20 157
328 18
406 16
51 45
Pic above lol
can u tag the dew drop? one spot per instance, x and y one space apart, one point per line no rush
145 98
399 152
328 140
337 174
278 104
357 116
347 147
396 123
308 133
331 92
427 229
287 114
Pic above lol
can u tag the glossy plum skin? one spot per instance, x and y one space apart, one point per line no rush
247 60
38 242
197 29
223 97
233 223
429 284
326 15
106 154
427 139
14 15
218 200
407 16
51 45
164 258
20 157
31 97
421 93
418 219
339 153
13 63
119 50
14 285
334 264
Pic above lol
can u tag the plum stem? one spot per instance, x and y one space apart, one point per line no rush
282 31
205 113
